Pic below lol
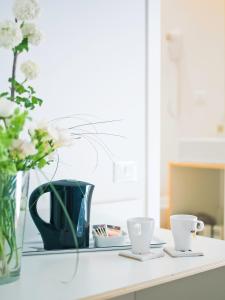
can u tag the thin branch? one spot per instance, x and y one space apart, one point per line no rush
32 165
74 116
71 225
56 168
96 152
104 146
15 55
99 142
95 123
100 133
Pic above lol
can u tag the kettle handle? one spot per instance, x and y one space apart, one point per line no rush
47 230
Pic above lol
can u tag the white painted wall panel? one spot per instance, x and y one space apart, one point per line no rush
93 62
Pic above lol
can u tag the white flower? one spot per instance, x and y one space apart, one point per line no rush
31 32
59 136
41 125
63 138
29 69
24 148
6 108
10 35
25 10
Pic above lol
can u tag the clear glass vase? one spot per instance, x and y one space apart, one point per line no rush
13 203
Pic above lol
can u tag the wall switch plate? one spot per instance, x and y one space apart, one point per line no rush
124 171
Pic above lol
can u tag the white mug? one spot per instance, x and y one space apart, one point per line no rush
140 233
183 226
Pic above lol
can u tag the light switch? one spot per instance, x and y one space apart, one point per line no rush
124 171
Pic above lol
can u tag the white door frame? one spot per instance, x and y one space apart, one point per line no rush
153 76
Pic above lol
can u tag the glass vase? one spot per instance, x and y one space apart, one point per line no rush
13 203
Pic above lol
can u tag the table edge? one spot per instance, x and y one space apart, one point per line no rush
148 284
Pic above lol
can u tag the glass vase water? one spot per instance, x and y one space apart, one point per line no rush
13 203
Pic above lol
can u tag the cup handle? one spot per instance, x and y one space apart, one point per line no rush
200 226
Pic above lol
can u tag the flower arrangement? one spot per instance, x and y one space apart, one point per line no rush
23 146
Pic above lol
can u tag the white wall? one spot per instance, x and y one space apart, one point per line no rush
92 62
202 68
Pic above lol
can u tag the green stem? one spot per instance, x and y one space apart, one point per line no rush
15 55
4 266
8 243
33 164
5 124
3 257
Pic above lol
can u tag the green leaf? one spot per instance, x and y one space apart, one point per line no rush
4 94
23 100
41 163
15 125
36 100
28 102
8 167
31 89
19 88
22 46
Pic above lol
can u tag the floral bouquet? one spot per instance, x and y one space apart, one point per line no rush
23 145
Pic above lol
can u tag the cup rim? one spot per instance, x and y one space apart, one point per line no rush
183 217
140 220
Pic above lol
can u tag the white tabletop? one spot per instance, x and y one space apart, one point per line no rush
105 274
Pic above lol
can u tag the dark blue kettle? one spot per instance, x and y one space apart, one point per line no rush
76 198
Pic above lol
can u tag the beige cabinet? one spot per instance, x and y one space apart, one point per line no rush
198 188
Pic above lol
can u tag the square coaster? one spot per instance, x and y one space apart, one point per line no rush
175 253
141 257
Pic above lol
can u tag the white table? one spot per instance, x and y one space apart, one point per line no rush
106 275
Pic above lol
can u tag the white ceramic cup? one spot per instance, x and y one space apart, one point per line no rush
183 226
140 233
